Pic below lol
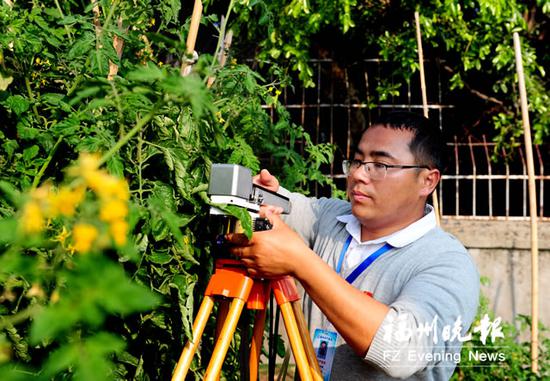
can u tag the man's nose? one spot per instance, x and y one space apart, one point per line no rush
360 175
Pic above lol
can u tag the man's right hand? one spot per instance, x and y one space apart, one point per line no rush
266 180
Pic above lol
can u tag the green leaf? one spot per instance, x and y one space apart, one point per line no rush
115 166
15 372
160 258
170 10
185 284
82 46
8 229
56 100
90 357
30 153
95 289
192 90
148 73
10 193
85 93
17 103
241 214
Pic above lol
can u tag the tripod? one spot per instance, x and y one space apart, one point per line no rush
231 282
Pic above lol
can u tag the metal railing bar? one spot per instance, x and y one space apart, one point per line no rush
541 183
507 191
491 218
457 183
524 182
474 177
490 172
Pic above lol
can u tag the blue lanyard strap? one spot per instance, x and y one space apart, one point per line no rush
343 254
363 265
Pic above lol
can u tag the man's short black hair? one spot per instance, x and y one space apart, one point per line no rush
427 145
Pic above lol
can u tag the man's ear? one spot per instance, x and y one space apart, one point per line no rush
430 178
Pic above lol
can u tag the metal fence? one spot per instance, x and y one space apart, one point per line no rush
344 101
478 187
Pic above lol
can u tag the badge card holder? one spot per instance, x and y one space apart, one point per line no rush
324 343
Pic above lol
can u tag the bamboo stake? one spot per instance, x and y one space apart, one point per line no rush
435 199
118 44
532 206
187 62
97 14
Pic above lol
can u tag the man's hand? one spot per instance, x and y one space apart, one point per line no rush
280 251
266 180
271 253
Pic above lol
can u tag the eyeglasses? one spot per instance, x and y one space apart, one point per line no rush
376 170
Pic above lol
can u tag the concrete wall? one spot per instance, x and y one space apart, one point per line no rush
502 251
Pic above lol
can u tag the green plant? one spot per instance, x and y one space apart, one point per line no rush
505 358
125 309
470 41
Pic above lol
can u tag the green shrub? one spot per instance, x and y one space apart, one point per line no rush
121 307
507 357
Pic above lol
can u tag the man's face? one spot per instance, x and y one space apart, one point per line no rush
394 202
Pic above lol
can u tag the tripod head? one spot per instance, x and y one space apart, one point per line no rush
231 184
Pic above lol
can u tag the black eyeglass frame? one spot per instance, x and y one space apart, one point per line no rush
347 164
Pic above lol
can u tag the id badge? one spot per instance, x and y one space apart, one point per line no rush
324 343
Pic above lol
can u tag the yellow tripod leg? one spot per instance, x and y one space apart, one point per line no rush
256 344
306 340
296 342
222 345
191 347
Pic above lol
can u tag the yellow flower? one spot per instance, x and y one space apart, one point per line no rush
32 218
107 186
84 236
104 184
65 201
88 162
112 210
62 236
220 118
119 231
119 189
70 249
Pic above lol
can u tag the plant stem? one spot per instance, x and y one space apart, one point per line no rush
110 14
118 105
222 34
8 321
63 16
31 96
140 165
139 125
46 163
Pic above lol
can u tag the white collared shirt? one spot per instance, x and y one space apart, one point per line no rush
359 251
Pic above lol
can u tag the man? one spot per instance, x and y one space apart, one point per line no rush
398 291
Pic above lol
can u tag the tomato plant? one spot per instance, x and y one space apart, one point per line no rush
102 263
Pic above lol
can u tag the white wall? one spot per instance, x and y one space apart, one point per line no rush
502 252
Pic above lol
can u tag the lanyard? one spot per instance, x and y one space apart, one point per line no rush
363 265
